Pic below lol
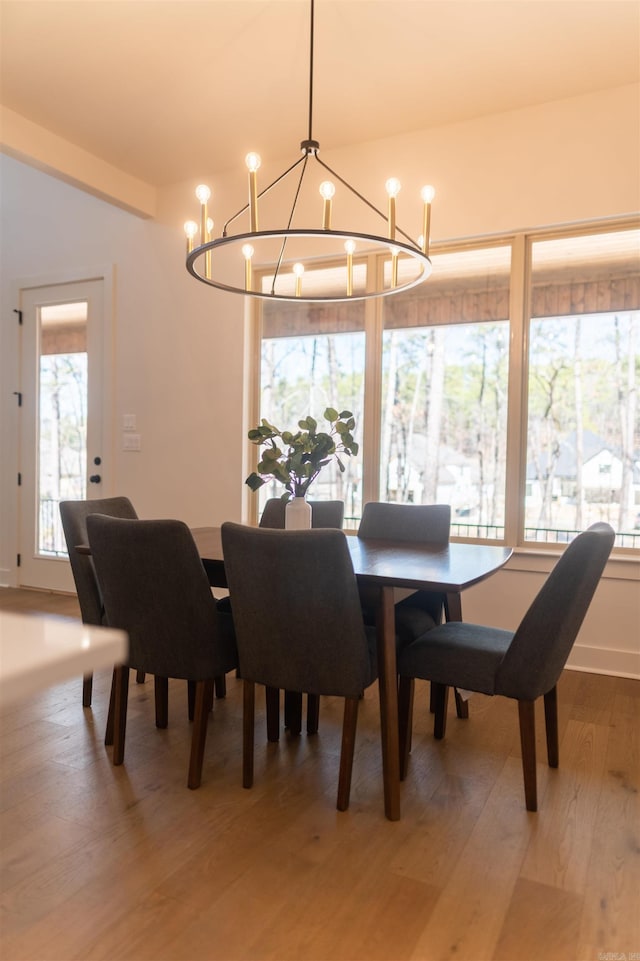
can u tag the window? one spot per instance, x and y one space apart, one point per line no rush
583 461
313 357
445 369
505 385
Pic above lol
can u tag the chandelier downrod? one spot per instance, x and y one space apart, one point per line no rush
311 46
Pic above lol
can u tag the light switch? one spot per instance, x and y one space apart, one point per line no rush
128 421
131 442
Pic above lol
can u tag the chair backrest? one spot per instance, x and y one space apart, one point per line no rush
74 524
296 610
154 587
543 641
406 522
323 514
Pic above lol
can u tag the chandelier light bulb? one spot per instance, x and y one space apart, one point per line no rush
327 189
427 193
203 193
247 253
392 186
298 270
253 161
190 230
394 266
349 246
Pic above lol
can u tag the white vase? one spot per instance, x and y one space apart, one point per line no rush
297 514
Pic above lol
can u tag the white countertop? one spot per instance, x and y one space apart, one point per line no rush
37 651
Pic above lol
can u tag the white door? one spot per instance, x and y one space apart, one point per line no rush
61 422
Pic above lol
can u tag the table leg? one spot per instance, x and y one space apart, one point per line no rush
388 689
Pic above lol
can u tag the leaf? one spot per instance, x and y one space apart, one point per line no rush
331 414
344 414
254 482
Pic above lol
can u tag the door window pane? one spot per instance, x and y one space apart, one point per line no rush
584 364
444 394
62 421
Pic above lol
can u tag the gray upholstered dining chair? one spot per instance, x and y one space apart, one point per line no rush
524 664
410 523
421 610
298 625
154 587
323 514
74 524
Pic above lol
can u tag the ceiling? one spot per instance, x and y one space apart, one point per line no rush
168 90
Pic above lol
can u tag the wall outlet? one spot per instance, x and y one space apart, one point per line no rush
128 421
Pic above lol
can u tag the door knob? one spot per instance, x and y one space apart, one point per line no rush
95 479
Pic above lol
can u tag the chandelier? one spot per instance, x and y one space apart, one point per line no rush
284 248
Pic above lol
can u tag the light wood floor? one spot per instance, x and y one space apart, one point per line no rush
126 863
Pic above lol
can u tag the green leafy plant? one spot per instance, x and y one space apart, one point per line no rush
295 460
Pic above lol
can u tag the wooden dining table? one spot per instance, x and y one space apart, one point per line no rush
448 569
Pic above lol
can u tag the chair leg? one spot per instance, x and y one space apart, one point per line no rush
462 705
204 697
140 677
87 690
191 699
526 713
248 716
221 685
406 688
161 690
349 725
440 694
313 713
120 713
293 711
551 726
108 734
272 703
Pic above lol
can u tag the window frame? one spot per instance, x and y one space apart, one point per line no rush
520 296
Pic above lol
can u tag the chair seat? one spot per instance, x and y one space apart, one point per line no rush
457 654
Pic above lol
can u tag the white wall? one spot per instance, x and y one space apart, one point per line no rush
180 347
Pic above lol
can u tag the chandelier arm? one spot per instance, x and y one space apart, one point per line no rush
293 208
266 190
353 190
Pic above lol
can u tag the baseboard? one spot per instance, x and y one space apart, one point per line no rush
601 660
